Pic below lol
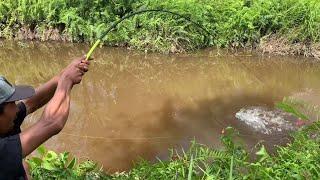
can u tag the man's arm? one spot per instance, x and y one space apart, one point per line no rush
42 95
51 121
56 112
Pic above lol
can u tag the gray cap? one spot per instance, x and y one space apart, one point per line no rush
10 93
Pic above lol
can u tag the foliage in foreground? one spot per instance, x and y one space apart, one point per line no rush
298 160
232 23
50 165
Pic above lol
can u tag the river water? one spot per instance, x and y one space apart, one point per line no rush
132 105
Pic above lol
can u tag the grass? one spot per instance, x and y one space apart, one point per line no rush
232 23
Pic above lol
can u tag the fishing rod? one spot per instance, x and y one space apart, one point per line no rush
137 13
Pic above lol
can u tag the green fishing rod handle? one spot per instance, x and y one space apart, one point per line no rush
92 49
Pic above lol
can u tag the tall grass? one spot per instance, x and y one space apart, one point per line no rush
232 23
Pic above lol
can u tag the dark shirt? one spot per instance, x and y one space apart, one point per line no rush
11 151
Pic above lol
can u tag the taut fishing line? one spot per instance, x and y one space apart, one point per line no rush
158 138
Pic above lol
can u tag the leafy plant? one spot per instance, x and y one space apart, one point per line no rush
288 107
50 165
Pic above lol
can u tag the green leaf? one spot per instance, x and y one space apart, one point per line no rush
50 156
231 168
41 150
190 168
37 161
48 166
290 109
262 153
72 163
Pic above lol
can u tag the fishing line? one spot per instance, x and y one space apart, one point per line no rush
114 25
124 139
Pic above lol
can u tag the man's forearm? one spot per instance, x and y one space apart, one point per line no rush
42 95
58 108
52 120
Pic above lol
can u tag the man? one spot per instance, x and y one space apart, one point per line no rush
16 102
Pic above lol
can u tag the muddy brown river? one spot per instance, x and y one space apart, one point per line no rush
132 105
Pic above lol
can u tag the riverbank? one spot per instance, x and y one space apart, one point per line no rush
283 27
298 160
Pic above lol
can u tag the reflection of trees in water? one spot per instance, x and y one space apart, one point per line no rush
33 62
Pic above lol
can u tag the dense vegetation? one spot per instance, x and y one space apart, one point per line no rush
232 23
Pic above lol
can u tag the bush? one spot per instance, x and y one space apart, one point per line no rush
50 165
232 23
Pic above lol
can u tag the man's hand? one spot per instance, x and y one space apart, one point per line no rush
75 70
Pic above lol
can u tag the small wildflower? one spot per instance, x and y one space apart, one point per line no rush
300 122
